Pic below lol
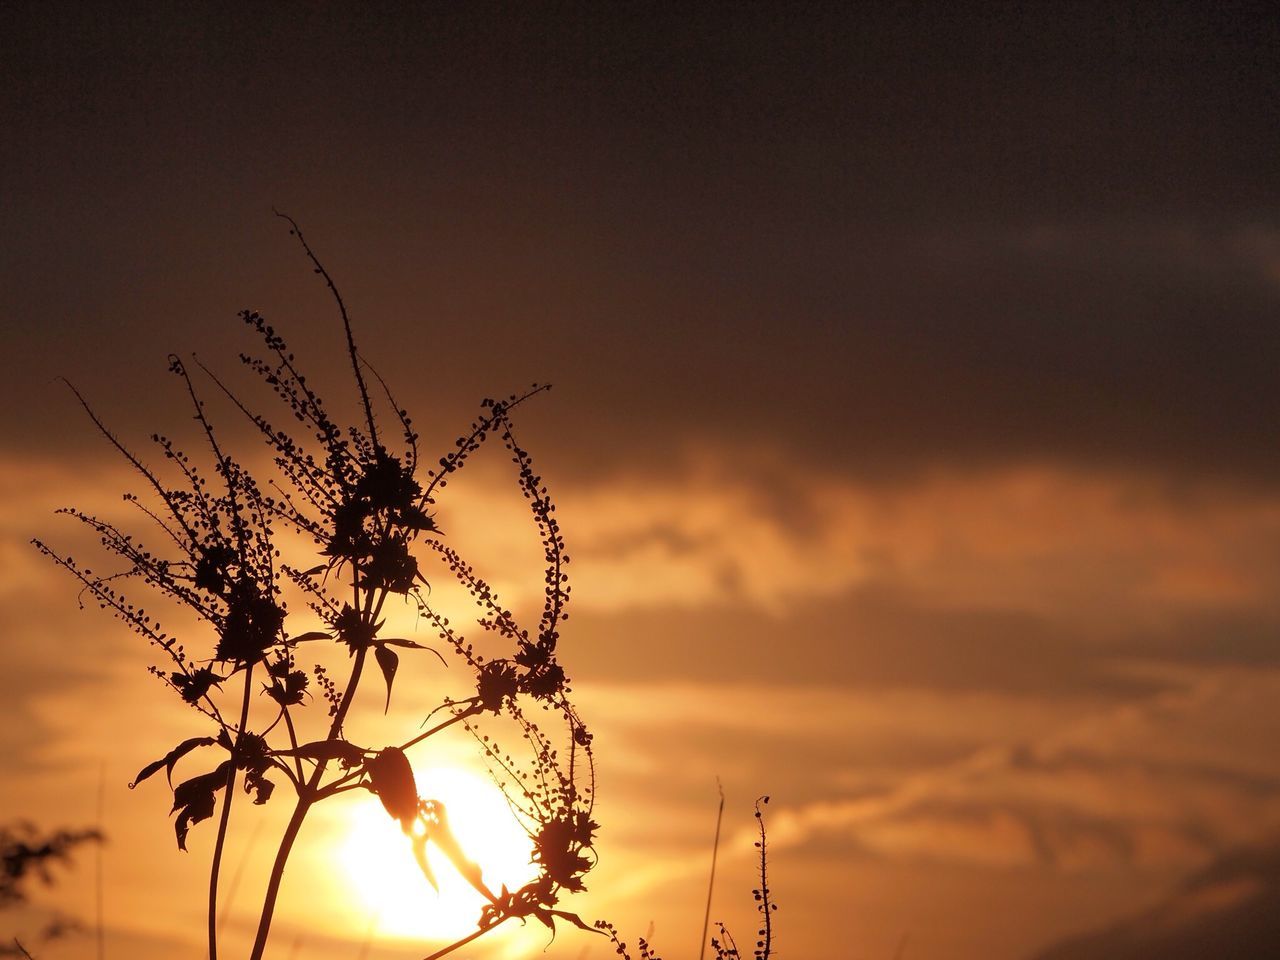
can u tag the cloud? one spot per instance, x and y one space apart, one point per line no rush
717 529
1117 786
977 781
1229 909
1037 669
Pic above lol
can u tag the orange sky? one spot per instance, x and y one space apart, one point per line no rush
912 436
939 684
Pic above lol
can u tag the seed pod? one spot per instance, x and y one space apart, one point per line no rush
392 780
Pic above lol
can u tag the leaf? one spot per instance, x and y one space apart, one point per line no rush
169 759
314 570
414 645
193 800
311 635
389 661
262 789
574 919
348 753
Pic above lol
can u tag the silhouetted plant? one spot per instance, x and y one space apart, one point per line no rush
365 508
724 946
27 853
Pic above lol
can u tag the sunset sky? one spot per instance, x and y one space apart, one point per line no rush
913 432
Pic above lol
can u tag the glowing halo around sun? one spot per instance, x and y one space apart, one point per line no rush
376 860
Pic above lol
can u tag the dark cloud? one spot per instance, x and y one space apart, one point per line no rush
871 637
1229 910
884 239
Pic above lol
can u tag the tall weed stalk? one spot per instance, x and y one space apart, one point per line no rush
362 498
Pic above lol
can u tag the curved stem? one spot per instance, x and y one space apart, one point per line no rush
220 843
352 352
277 874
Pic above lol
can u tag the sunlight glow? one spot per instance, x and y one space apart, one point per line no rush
379 869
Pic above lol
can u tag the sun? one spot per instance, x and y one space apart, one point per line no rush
378 866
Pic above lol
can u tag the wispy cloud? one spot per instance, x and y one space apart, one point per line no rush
717 529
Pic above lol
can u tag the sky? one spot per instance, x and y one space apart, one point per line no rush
913 436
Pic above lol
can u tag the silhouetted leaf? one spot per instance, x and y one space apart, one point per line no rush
574 919
402 642
312 635
412 645
261 788
389 661
193 800
169 759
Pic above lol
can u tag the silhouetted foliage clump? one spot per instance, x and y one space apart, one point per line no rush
361 497
26 854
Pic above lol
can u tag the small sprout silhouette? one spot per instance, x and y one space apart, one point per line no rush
723 945
362 500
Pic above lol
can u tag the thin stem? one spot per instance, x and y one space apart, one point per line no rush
482 426
343 783
711 884
479 932
97 864
346 325
219 844
306 797
165 496
277 874
766 905
293 741
469 712
236 877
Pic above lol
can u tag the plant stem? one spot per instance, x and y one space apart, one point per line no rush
97 864
277 874
219 844
306 798
711 884
478 932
